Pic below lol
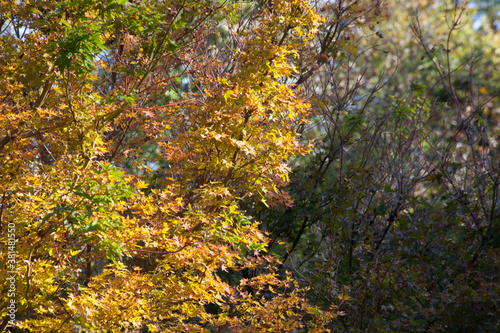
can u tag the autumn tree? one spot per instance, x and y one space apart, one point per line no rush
135 138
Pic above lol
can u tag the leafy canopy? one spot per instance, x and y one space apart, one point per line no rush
131 135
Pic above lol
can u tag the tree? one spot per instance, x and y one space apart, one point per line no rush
396 207
133 134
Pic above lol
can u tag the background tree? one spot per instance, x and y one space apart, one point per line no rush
396 208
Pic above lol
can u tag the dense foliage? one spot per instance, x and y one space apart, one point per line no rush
249 166
398 205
